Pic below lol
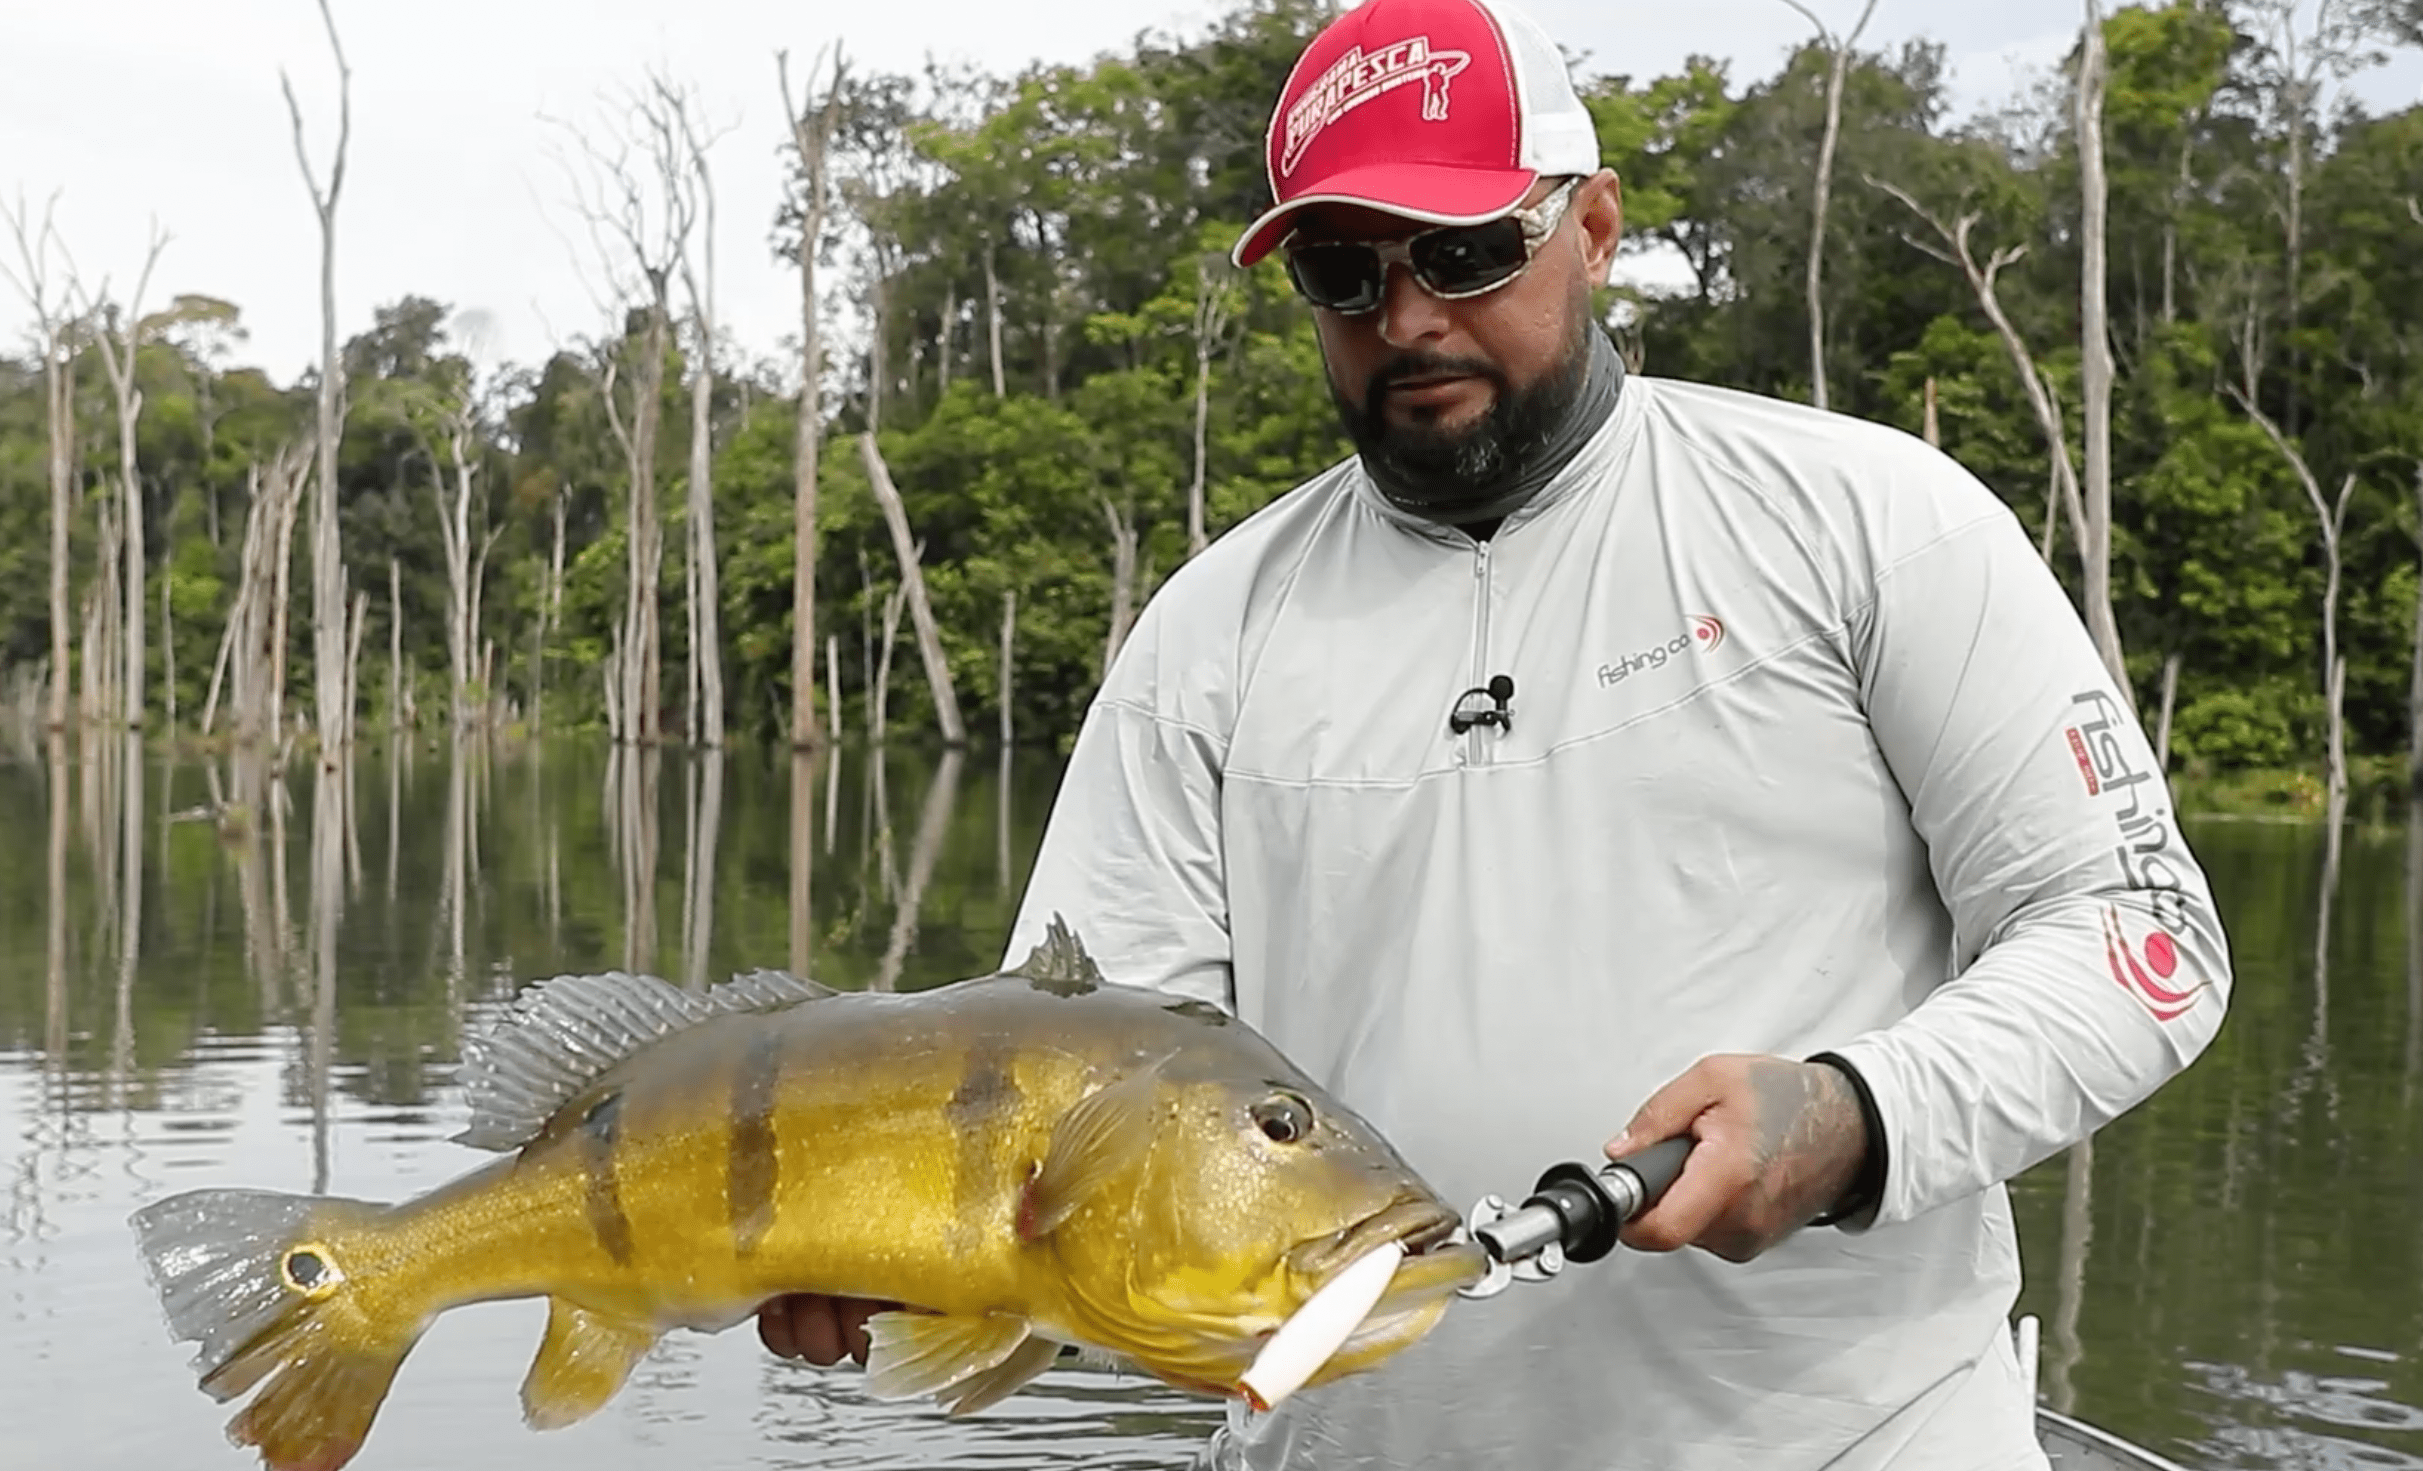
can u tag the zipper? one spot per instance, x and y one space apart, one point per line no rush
1476 740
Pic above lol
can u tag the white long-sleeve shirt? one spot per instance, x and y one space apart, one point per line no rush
1808 751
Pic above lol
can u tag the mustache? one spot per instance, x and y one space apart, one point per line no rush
1406 367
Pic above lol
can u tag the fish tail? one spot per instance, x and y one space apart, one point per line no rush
260 1280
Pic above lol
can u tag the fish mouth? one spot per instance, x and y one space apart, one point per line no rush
1421 1225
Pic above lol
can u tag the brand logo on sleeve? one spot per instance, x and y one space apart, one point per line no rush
2118 771
1361 76
1701 633
2148 969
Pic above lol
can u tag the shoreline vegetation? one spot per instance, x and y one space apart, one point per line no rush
2167 303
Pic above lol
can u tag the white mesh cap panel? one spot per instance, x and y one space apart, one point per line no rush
1558 135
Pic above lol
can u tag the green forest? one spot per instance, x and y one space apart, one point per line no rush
1022 316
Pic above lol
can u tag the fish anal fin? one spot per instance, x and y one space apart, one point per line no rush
1107 1132
911 1353
979 1391
582 1361
560 1035
1059 964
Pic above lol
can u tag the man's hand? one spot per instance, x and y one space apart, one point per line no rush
822 1330
1779 1143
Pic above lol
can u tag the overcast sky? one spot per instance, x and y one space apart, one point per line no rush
143 109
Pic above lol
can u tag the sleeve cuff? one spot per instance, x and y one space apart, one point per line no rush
1856 1211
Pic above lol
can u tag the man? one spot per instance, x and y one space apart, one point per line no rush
1597 755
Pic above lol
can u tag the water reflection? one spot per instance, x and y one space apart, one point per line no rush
2231 1273
2258 1213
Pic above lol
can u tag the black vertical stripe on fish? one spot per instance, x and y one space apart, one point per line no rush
987 1094
599 1128
754 1168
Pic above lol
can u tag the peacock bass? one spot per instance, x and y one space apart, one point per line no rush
1028 1160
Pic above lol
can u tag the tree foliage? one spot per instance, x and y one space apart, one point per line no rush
1063 222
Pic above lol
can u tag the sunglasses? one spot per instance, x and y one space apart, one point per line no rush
1452 262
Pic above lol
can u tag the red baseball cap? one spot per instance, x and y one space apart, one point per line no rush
1444 111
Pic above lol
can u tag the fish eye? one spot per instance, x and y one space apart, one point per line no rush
1283 1118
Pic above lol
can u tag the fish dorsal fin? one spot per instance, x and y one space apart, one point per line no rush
764 990
556 1038
1060 963
1106 1132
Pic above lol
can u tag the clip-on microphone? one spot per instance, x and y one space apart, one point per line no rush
1499 691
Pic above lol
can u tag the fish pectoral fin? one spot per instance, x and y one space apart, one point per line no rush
1002 1380
582 1361
1109 1130
911 1354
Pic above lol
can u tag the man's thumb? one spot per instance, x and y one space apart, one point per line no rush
1667 1114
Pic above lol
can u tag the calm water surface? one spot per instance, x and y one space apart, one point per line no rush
203 984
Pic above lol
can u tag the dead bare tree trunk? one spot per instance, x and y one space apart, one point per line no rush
1009 667
1931 424
811 135
101 612
1824 196
2414 695
832 677
118 333
706 793
803 857
1955 251
879 710
639 240
54 337
2095 386
942 338
2170 703
454 533
327 565
353 665
637 671
395 645
706 628
921 612
1213 310
168 656
992 313
2331 517
933 825
1123 578
550 608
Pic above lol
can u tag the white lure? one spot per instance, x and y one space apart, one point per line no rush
1302 1344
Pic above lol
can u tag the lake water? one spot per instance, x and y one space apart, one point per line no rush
203 983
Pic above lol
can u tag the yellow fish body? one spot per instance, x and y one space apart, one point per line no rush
1027 1160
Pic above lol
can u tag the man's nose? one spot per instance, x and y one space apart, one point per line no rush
1409 315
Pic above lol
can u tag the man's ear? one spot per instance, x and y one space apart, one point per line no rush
1599 207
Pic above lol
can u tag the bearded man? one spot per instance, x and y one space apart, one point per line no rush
1600 754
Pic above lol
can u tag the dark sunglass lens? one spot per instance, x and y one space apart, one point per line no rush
1454 261
1341 277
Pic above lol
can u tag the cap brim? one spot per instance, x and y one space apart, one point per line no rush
1430 193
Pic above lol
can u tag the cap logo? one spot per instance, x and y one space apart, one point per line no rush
1357 77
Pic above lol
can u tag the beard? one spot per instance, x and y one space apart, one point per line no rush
1435 468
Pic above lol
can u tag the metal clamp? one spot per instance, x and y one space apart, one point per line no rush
1540 1266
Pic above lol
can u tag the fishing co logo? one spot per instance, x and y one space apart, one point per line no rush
1359 77
2146 968
2142 836
1705 633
